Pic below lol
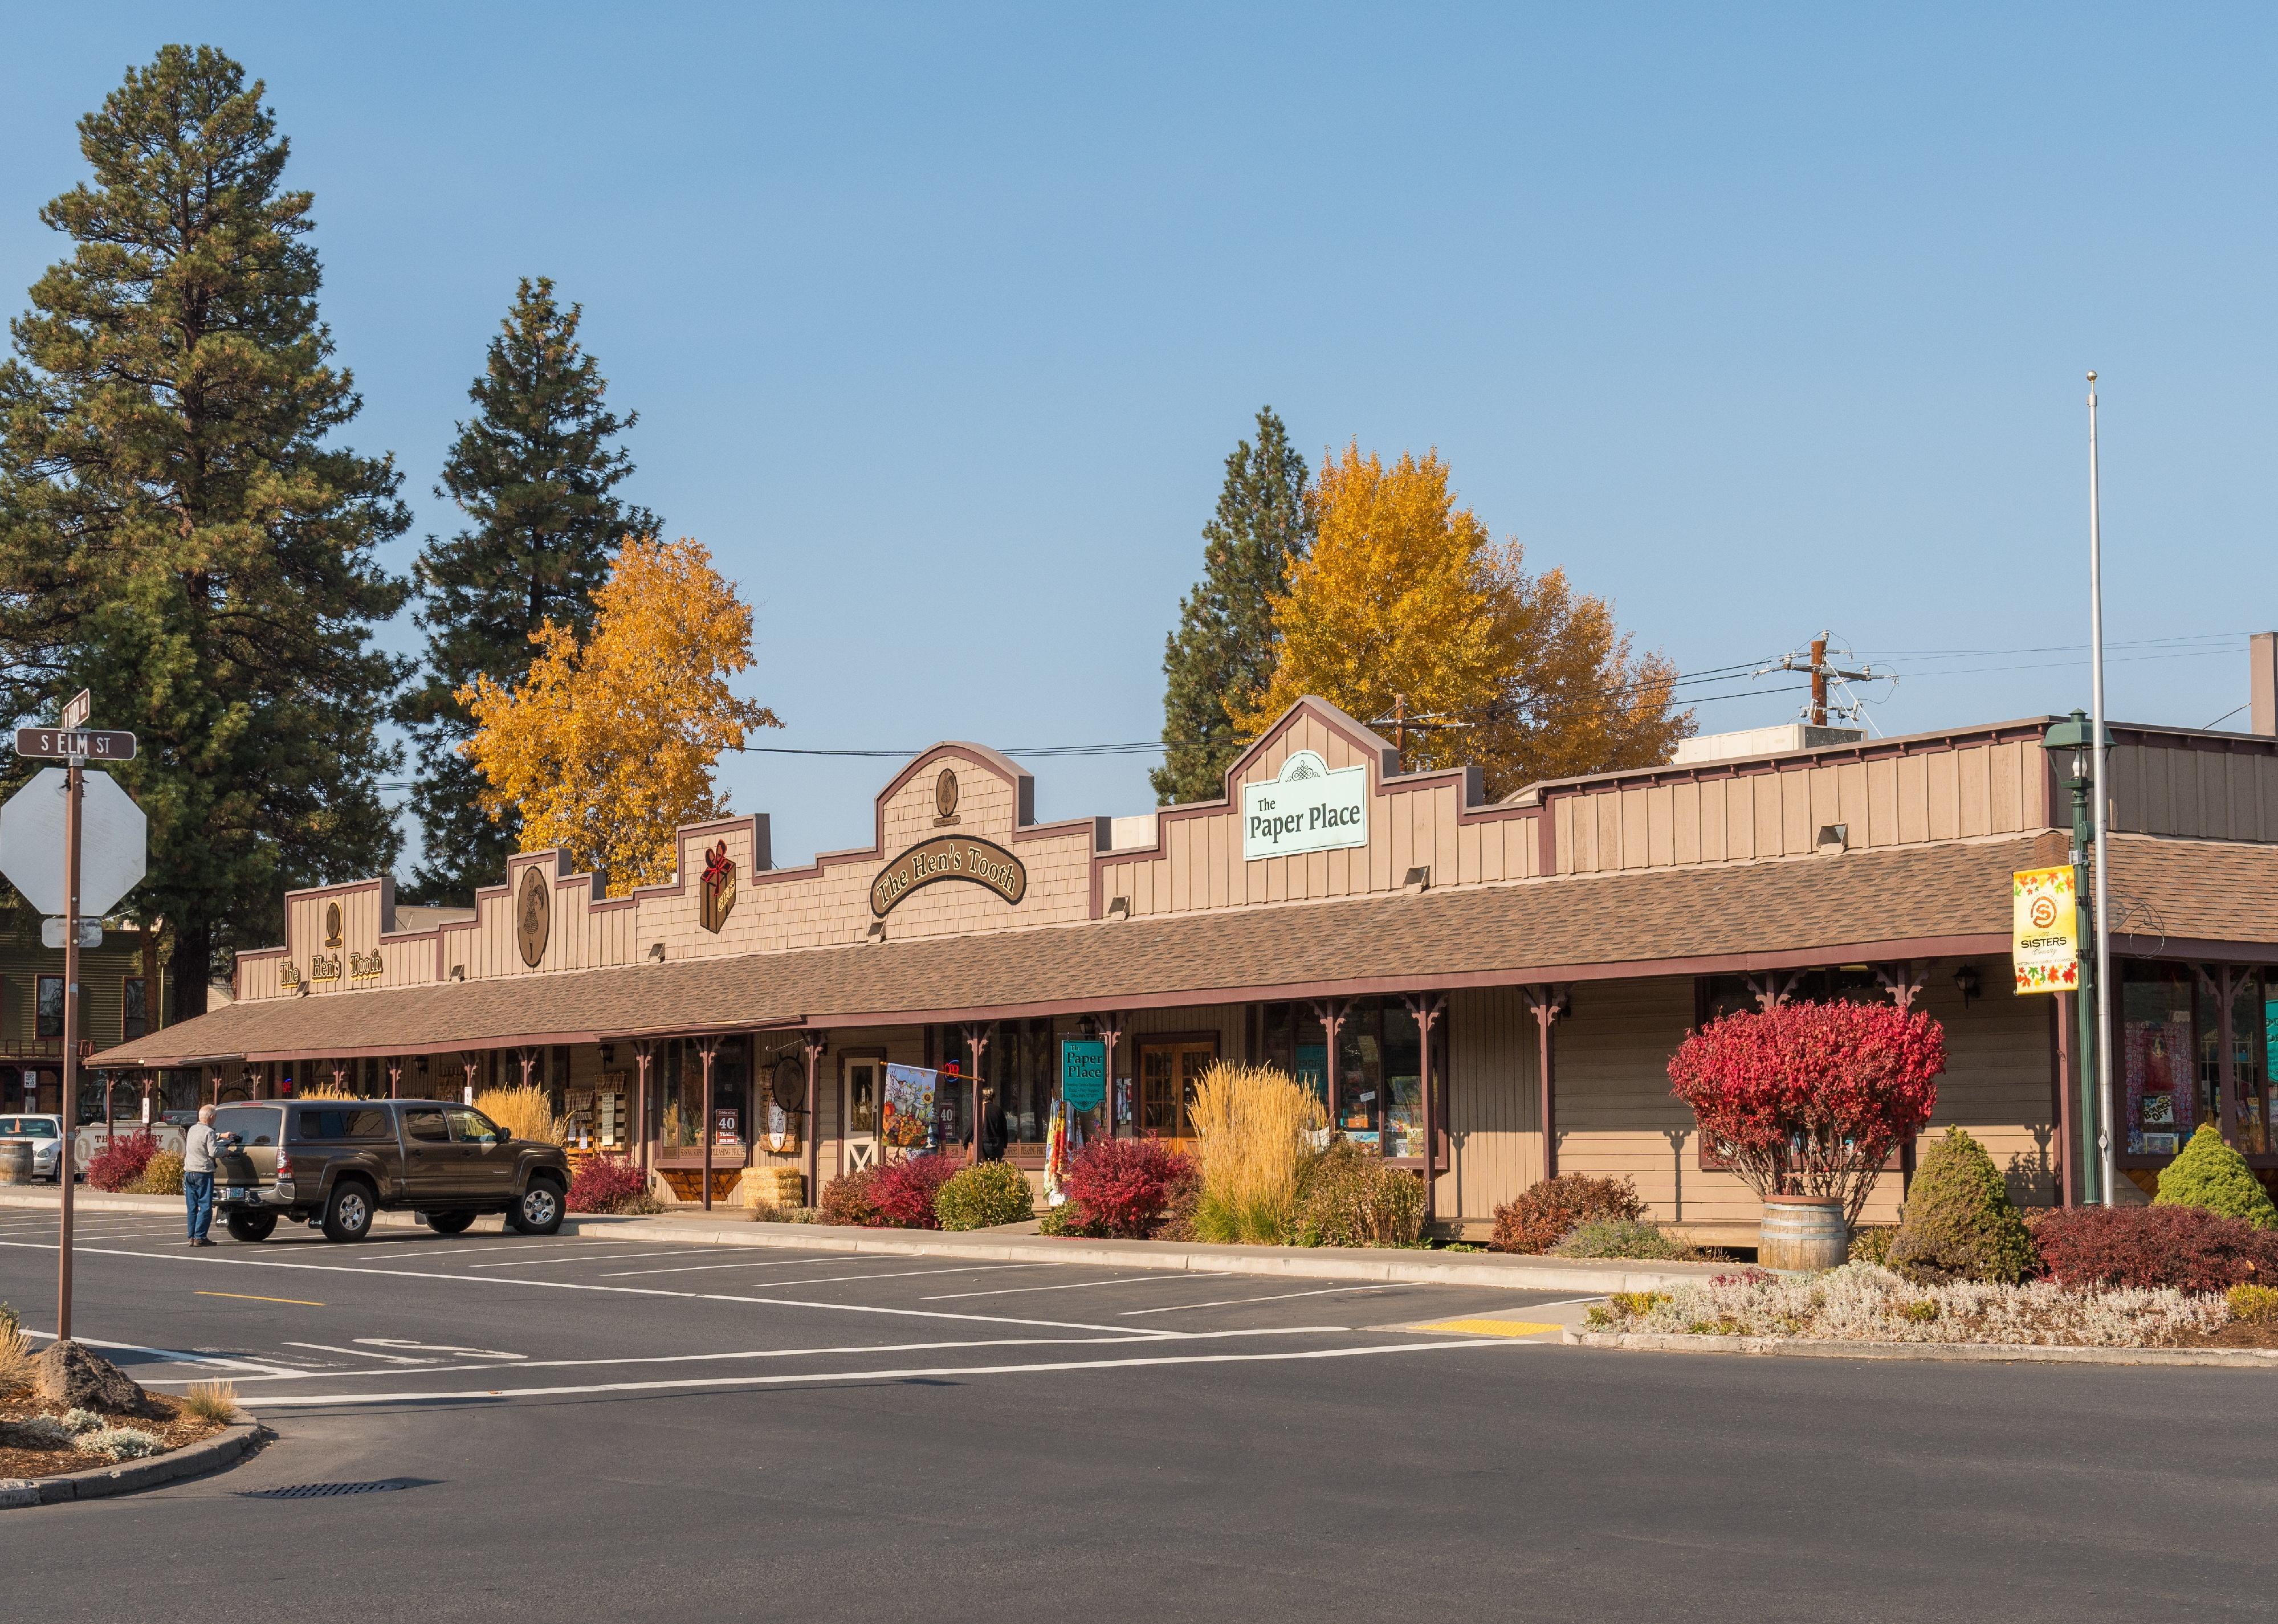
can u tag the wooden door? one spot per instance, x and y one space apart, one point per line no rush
1168 1072
863 1090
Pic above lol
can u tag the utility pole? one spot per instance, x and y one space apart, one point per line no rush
1400 729
2101 745
1815 663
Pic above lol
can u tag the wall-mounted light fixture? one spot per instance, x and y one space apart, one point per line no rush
1966 982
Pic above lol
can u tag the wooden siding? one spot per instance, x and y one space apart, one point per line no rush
2217 790
1734 814
1495 1129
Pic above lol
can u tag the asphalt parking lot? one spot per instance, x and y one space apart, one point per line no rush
580 1427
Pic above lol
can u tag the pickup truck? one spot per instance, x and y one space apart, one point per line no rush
336 1163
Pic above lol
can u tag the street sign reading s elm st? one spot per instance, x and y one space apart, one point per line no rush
62 743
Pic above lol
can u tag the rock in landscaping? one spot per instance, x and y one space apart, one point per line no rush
70 1374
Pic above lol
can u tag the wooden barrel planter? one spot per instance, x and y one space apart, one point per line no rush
15 1161
1803 1232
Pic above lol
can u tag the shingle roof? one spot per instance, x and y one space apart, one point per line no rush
1951 898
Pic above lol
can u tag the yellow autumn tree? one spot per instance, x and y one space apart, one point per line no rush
607 746
1406 598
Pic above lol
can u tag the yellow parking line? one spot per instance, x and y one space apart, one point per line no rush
298 1302
1490 1328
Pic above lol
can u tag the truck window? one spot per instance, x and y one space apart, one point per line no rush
472 1127
255 1124
426 1126
344 1122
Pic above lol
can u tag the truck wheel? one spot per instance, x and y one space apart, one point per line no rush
348 1213
250 1225
537 1209
449 1222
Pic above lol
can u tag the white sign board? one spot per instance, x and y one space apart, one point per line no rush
1307 808
51 933
114 841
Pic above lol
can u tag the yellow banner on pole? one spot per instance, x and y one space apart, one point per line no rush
2044 930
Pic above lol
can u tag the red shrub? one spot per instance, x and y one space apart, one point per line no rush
904 1191
119 1165
606 1184
2187 1247
1543 1213
1810 1098
851 1199
1125 1185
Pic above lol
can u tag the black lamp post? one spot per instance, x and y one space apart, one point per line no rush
2072 741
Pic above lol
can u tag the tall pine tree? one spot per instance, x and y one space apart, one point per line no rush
180 530
535 470
1222 657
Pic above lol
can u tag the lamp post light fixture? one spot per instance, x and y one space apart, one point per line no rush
2071 743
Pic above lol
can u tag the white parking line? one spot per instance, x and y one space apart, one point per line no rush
1123 1337
299 1401
903 1274
230 1262
611 1257
173 1355
1078 1285
360 1353
1228 1303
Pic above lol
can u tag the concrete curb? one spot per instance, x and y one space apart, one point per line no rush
1960 1353
85 1201
226 1448
1493 1270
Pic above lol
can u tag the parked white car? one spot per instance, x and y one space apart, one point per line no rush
47 1136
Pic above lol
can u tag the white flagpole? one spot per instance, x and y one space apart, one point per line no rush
2103 807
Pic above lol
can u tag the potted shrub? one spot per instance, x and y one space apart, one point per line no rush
1804 1102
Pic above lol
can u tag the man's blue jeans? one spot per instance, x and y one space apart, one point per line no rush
197 1193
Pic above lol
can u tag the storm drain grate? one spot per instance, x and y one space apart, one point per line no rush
312 1491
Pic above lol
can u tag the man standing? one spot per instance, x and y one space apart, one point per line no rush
198 1146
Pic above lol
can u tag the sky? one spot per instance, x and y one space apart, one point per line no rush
940 321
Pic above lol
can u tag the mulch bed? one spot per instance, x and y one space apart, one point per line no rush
166 1422
2236 1334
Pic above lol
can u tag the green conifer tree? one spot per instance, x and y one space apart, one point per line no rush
536 470
1222 657
2211 1174
181 530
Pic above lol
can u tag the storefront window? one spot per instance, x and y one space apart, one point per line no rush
50 1012
2249 1022
134 1020
2160 1105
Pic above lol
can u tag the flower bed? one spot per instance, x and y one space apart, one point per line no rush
1862 1302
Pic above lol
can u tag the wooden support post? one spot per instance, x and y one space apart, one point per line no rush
1111 1033
1546 1003
708 1047
643 1053
469 1063
1427 1008
976 1045
812 1044
2221 981
1331 1013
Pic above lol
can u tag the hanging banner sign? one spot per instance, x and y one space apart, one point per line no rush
1306 808
907 1120
1083 1072
2044 930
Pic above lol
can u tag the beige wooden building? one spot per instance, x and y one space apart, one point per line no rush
1450 974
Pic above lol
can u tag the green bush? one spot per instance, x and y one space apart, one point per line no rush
1352 1199
1542 1214
1619 1237
2211 1174
982 1196
161 1175
1958 1223
1069 1218
1870 1243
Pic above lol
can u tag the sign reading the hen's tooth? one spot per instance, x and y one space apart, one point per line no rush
948 857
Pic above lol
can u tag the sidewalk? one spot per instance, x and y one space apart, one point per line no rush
728 1226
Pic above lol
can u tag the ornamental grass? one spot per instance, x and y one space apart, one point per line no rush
211 1400
1255 1126
525 1112
15 1352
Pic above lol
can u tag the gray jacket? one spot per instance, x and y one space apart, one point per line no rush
198 1148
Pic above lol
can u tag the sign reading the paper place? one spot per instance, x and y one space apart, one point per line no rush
1307 808
2044 930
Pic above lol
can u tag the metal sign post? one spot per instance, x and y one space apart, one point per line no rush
27 829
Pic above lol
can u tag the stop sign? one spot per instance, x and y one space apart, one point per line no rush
114 841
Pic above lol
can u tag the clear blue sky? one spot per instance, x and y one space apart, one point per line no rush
941 321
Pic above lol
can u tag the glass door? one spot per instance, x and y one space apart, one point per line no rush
863 1082
1168 1073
